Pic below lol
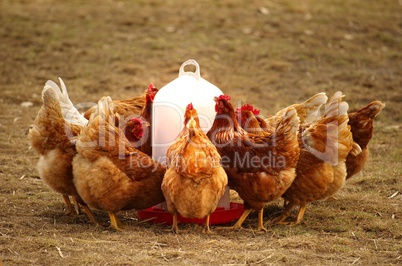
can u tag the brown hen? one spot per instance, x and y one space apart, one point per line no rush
111 175
321 169
259 168
361 123
195 180
138 131
53 138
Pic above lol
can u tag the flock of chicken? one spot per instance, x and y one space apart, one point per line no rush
103 159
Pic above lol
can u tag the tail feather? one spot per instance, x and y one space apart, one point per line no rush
286 136
290 121
342 137
335 106
356 149
50 130
329 138
51 108
309 110
102 119
105 108
361 122
101 136
70 113
316 100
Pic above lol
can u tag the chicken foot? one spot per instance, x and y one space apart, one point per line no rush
242 218
207 228
90 215
240 221
175 228
261 220
300 215
114 222
76 205
245 214
286 213
69 206
74 211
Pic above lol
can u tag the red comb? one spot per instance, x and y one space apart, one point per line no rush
151 86
136 120
249 107
190 106
256 111
224 97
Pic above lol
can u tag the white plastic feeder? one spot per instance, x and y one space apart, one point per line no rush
169 107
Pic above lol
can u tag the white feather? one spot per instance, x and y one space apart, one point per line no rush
343 108
316 100
335 106
70 113
314 103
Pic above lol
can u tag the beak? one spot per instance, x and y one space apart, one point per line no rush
146 124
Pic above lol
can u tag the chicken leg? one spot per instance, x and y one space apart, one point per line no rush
285 214
175 228
300 215
261 220
114 222
73 211
90 215
76 206
240 221
69 206
281 219
207 229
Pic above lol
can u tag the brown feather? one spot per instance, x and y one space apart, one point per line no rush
362 127
109 174
195 180
259 167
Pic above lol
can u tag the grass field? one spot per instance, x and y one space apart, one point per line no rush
268 53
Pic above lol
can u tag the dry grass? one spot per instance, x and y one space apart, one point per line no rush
271 56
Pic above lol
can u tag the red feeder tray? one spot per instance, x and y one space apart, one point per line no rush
219 216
